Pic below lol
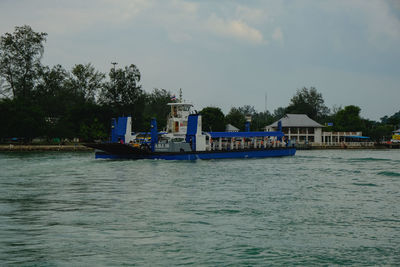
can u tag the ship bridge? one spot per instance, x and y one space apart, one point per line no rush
178 118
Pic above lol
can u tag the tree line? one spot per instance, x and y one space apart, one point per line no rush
38 100
53 102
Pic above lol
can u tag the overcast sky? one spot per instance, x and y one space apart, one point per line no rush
231 53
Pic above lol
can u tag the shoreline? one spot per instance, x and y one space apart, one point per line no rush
79 147
75 147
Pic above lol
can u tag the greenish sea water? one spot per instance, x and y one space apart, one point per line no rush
326 207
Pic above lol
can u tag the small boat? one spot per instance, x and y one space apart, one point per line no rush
185 140
395 136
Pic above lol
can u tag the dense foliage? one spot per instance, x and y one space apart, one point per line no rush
309 102
52 102
213 119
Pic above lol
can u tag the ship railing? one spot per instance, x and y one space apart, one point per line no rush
341 144
238 145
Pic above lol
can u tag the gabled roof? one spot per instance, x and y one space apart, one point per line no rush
231 128
296 120
397 131
243 134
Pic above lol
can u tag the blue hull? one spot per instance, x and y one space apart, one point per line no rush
259 153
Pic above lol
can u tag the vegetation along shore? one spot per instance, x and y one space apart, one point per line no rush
80 147
42 148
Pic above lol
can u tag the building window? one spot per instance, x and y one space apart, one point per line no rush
311 130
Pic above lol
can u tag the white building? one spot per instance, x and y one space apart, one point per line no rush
299 128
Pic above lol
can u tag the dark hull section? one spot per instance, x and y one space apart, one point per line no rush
121 151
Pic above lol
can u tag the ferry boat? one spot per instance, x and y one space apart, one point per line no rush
185 140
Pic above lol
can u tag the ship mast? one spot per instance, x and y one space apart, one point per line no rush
180 95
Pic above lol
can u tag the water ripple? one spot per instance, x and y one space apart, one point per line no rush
333 207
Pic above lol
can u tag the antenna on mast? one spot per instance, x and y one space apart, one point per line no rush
180 95
265 103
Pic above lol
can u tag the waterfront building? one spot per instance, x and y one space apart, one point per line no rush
301 129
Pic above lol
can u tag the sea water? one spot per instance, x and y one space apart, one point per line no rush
322 207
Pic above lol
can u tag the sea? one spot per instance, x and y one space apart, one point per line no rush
317 208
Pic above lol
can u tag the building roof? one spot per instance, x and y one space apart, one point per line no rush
296 120
397 131
231 128
244 134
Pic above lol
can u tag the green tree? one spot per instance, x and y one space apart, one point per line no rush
89 121
123 89
260 120
279 113
125 96
377 131
21 118
95 130
85 81
309 102
51 91
348 119
247 110
20 60
4 92
236 118
393 120
156 107
213 119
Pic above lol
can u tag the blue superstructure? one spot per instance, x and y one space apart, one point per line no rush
120 128
154 134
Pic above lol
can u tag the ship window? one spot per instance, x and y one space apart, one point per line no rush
177 126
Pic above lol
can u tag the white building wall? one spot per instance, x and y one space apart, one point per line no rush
317 135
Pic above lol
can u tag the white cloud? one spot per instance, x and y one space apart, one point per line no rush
234 28
252 15
182 20
77 16
377 17
380 20
186 7
179 36
277 35
178 18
